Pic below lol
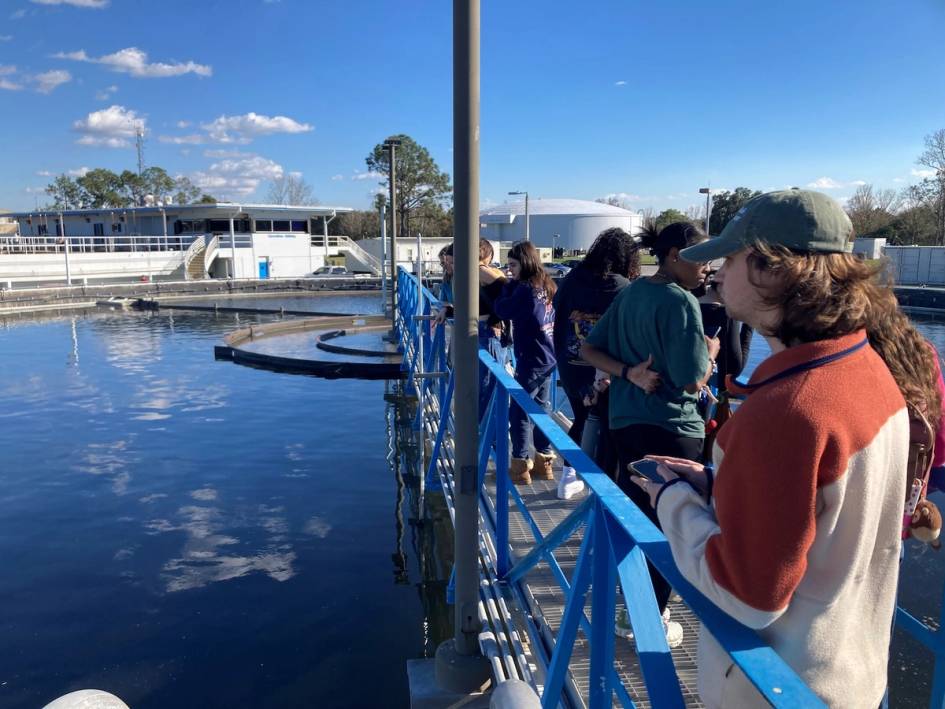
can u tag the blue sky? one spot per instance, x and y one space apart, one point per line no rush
646 100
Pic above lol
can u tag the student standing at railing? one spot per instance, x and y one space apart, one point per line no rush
656 320
797 533
582 298
526 300
494 331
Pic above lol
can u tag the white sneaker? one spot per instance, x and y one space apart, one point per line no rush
569 485
673 630
622 625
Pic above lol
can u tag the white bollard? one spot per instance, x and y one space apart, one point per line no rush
513 694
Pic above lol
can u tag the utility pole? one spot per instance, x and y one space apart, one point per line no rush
707 191
460 667
391 145
383 222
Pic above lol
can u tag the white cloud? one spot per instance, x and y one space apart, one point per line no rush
112 127
337 178
296 174
106 93
242 129
134 61
8 84
79 171
620 83
183 124
370 175
923 173
44 173
18 15
237 176
899 179
93 4
34 190
623 196
828 183
218 154
5 37
49 80
825 183
192 139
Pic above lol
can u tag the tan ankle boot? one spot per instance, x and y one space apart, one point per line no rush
542 469
518 471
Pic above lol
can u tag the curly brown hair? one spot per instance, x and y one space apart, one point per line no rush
825 295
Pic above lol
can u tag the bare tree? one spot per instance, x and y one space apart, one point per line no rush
870 210
696 213
933 157
291 189
649 216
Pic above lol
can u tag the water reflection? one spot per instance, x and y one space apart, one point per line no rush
428 524
148 489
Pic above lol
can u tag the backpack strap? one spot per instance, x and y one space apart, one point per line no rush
921 449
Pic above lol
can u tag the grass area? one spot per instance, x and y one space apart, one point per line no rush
645 259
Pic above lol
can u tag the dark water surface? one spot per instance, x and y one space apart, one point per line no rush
184 532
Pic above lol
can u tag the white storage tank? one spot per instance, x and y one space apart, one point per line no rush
576 222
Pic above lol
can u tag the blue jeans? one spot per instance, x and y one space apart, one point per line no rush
493 346
538 387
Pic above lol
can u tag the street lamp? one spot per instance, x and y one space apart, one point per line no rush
708 206
527 230
391 144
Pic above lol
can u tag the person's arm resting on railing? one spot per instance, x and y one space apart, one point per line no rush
748 552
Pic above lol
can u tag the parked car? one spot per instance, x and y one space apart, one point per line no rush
556 270
573 263
331 271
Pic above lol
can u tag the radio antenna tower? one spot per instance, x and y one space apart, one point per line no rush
139 144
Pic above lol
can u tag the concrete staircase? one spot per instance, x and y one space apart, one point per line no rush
195 261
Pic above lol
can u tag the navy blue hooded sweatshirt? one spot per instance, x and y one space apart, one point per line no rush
533 320
580 302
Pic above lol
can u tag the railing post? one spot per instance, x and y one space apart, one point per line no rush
501 416
603 598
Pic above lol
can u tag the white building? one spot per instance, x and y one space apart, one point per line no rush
569 224
191 241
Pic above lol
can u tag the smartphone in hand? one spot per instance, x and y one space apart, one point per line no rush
646 469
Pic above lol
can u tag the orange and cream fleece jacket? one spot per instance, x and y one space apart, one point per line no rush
801 537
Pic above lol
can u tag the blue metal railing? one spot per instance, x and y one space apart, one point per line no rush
618 540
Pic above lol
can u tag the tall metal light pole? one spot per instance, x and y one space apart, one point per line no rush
527 225
391 145
708 206
460 667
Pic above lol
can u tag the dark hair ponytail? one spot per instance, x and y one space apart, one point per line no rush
677 235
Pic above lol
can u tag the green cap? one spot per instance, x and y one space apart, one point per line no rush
798 219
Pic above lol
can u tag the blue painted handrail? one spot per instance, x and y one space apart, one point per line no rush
618 540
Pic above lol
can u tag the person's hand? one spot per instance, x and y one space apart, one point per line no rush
714 346
590 399
648 486
642 376
439 317
691 471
